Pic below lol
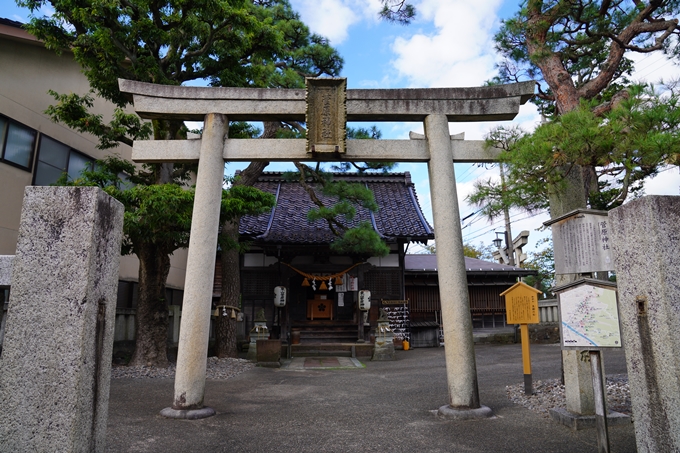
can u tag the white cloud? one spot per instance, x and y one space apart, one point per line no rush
332 18
460 50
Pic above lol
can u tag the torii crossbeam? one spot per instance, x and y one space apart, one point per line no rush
436 107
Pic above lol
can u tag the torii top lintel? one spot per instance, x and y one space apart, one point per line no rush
488 103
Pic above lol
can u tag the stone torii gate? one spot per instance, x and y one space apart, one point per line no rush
436 107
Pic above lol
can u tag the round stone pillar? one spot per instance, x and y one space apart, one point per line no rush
461 369
195 325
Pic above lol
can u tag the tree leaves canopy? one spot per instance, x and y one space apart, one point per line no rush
624 146
579 49
230 42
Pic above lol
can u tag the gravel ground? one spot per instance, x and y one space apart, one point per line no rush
216 369
550 393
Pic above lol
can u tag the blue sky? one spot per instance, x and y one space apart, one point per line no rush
449 44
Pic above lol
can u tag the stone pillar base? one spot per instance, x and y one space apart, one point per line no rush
191 414
577 422
252 352
453 413
383 350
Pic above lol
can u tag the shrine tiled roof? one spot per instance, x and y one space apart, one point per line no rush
427 263
399 214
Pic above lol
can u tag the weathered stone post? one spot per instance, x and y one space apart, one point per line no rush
646 235
195 325
56 359
461 369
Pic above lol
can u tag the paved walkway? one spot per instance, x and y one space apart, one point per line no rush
382 407
321 363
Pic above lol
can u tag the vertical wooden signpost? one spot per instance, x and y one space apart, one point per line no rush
521 307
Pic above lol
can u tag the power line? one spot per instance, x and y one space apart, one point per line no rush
495 225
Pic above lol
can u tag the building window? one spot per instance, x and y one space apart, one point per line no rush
16 143
55 158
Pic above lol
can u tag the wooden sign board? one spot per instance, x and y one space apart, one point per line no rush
326 115
581 242
521 304
394 302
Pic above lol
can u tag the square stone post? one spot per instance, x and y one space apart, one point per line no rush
461 369
56 360
194 331
646 240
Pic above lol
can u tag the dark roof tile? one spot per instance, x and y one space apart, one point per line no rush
399 215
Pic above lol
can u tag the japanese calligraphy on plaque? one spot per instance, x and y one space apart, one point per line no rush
581 242
521 304
326 115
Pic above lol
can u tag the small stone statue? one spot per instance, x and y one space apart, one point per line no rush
383 316
259 316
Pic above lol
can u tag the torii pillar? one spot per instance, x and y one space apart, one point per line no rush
435 107
192 351
461 369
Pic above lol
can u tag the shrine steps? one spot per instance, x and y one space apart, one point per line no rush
324 332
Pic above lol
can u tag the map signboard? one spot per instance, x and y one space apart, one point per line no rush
589 316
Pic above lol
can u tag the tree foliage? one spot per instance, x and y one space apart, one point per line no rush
624 146
603 135
337 207
233 42
580 49
362 133
154 213
229 43
543 262
479 251
398 11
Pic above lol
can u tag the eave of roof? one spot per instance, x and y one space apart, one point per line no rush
14 30
427 263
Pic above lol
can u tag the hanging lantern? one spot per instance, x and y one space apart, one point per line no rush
338 281
364 300
323 286
280 296
305 282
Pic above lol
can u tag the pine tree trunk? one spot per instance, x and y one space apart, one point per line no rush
151 321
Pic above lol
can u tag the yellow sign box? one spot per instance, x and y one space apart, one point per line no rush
521 304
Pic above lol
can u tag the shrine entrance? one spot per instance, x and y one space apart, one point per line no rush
325 107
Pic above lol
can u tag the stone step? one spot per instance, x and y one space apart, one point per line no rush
327 333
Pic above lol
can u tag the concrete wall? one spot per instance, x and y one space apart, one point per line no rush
28 72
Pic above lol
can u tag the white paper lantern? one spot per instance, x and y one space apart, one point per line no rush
280 296
364 300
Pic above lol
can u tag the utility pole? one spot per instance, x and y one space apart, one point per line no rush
509 246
